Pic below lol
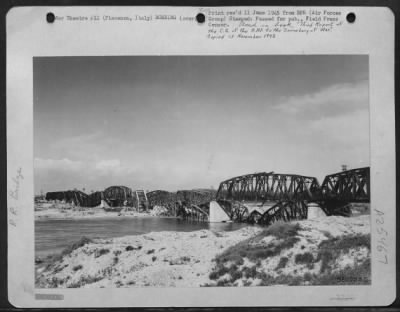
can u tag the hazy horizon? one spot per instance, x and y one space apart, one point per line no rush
184 122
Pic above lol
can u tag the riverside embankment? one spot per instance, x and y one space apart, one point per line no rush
329 250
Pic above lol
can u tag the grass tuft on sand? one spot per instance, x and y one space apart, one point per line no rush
255 251
230 269
80 243
330 249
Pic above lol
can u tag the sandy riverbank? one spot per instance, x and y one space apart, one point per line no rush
86 213
302 252
66 211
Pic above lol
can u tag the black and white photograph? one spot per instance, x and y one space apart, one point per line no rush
176 156
201 171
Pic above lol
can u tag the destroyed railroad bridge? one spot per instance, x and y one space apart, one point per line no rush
261 198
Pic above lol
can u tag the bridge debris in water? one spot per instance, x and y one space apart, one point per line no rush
188 204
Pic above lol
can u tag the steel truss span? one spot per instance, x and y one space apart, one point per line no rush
114 196
272 196
268 186
285 211
290 195
351 185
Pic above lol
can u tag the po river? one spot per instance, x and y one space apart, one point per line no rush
53 235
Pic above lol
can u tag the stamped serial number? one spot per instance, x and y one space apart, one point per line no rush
382 234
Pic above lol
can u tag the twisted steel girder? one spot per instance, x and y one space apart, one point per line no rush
285 211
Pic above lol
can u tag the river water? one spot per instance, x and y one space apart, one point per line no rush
53 235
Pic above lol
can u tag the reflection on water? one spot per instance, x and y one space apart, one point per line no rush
52 236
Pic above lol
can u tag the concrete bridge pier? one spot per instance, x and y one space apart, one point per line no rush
314 211
217 214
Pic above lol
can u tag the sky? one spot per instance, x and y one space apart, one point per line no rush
184 122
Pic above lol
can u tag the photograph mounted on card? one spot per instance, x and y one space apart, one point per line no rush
200 156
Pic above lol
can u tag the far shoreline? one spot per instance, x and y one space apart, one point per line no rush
93 217
58 211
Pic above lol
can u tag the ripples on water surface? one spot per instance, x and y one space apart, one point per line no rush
52 236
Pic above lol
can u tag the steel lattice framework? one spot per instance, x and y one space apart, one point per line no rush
349 186
78 198
291 194
94 199
288 195
196 196
193 213
118 196
189 204
161 198
235 210
282 210
285 211
187 197
268 186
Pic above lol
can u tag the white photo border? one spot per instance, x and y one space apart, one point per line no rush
29 36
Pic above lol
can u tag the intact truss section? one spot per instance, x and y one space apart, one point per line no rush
268 186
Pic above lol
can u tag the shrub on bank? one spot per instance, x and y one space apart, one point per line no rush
85 280
255 250
83 241
101 252
282 230
130 248
282 263
330 249
345 243
305 258
357 275
77 267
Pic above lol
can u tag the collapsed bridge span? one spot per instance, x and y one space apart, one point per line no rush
113 196
268 197
188 204
256 198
